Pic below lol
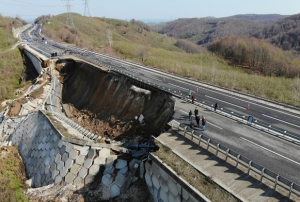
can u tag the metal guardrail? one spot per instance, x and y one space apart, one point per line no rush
278 180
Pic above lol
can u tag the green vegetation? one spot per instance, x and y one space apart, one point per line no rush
130 41
201 182
12 172
11 63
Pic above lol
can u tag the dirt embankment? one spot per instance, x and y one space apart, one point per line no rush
106 103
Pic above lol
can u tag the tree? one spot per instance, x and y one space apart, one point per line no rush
142 53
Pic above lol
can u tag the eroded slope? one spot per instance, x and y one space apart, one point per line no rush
107 103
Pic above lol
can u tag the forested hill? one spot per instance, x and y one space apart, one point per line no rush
202 31
284 33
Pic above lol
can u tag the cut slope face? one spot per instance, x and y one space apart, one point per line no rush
108 103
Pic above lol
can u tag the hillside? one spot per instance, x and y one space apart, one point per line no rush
262 18
11 62
284 33
130 41
203 31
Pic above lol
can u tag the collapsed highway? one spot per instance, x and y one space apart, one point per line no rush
112 98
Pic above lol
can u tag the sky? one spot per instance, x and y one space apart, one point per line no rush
150 10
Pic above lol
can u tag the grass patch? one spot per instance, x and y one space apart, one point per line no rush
203 183
12 175
159 51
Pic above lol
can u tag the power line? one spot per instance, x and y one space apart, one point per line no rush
69 22
86 9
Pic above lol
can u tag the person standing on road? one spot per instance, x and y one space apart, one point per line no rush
203 123
216 106
193 98
190 93
196 111
190 115
198 120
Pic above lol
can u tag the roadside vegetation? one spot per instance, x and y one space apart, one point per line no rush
134 41
11 62
12 175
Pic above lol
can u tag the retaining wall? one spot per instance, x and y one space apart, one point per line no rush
35 61
165 185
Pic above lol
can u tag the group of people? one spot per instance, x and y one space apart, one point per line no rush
197 118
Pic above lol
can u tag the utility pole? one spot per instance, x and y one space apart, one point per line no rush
69 22
86 8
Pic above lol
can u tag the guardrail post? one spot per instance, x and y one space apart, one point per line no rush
208 144
291 187
227 150
262 174
218 145
275 183
200 136
249 166
184 131
237 160
192 134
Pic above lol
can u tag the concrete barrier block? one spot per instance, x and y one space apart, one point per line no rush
120 164
69 146
65 157
148 179
69 162
89 178
108 170
60 165
73 154
58 180
172 186
75 169
115 190
60 143
83 172
70 177
163 174
110 160
57 158
62 149
105 152
185 195
80 160
106 179
173 198
120 180
87 163
163 195
78 180
124 170
155 182
54 174
163 184
100 161
63 172
155 170
92 153
94 169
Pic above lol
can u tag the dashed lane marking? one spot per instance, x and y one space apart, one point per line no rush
225 102
270 150
281 120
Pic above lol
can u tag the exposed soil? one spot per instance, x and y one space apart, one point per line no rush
109 104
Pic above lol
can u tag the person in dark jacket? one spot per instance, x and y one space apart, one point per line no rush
190 115
193 98
198 120
216 106
196 111
203 123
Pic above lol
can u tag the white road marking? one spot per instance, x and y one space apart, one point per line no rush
270 151
178 86
225 102
214 125
281 120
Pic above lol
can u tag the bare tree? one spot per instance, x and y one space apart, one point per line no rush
109 38
142 53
